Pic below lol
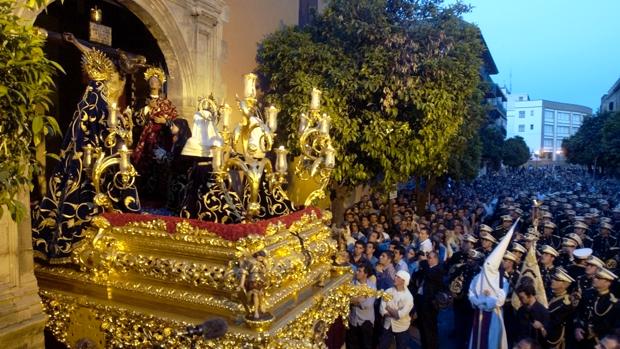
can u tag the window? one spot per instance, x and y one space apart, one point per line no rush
611 106
577 119
549 116
531 126
548 143
521 114
563 130
563 117
531 113
548 129
521 99
521 128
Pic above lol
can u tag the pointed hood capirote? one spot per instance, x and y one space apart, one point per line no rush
489 275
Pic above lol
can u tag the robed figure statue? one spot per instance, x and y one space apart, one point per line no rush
156 116
67 207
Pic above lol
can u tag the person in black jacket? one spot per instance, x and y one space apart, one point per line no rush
561 309
429 284
460 279
599 311
532 317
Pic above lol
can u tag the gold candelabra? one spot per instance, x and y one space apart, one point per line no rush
246 148
317 153
96 162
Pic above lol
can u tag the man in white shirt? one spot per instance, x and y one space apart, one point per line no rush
395 313
362 316
425 244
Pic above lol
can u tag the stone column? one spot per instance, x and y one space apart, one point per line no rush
21 313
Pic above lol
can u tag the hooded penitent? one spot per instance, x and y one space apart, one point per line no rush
489 275
487 294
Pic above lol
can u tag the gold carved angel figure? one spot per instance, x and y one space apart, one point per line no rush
253 282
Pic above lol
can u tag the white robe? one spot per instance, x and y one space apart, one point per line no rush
491 305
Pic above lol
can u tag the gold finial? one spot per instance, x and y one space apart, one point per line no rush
97 65
157 72
96 15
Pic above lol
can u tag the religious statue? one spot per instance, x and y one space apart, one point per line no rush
252 282
68 205
207 198
342 256
155 116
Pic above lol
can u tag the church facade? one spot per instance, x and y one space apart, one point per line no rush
207 45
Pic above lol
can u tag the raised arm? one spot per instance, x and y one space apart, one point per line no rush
69 37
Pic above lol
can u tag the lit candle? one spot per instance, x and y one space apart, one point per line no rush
112 116
88 155
216 161
124 164
303 123
330 157
272 118
315 102
281 164
226 117
249 81
324 127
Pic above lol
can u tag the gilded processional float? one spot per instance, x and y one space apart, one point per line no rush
235 248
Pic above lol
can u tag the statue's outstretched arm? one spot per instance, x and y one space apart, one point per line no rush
69 37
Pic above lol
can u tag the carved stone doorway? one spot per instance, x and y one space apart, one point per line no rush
128 34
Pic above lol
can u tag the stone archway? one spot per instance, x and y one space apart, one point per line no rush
189 34
159 20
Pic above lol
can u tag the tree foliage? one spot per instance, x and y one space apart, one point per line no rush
492 139
596 143
399 79
515 152
465 162
25 82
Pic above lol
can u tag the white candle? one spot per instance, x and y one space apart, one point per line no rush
281 164
226 117
216 162
112 116
324 127
249 90
303 123
124 164
88 155
272 118
330 157
315 102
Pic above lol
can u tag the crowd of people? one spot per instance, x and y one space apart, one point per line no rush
549 282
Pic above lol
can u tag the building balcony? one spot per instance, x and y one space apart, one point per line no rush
495 108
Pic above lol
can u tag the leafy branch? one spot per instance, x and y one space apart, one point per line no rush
25 84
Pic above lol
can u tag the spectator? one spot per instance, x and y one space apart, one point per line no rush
396 313
362 316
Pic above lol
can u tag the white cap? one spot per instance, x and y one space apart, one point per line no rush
404 275
582 253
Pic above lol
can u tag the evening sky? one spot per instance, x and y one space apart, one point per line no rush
559 50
